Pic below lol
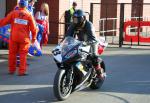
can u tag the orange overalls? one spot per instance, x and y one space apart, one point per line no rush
22 22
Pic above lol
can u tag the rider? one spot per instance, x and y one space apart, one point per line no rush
84 30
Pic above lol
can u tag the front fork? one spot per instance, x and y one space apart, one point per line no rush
68 73
69 77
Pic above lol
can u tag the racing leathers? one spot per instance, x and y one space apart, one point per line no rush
86 33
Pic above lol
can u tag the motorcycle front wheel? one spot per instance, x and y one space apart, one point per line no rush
61 90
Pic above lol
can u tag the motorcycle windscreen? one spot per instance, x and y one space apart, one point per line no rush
69 48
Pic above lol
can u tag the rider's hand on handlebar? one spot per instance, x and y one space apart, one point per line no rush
88 43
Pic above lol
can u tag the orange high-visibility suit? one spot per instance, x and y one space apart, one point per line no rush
22 22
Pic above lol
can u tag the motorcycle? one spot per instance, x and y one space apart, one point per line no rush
75 67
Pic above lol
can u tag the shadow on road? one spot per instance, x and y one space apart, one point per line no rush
41 70
33 95
34 88
127 74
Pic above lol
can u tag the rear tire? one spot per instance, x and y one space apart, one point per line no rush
60 91
97 82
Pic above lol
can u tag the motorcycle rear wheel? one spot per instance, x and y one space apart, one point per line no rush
60 91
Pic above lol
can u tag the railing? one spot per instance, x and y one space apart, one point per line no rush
147 18
103 27
140 35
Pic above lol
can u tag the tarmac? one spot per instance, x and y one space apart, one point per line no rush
127 78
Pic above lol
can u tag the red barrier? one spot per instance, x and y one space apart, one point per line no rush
135 38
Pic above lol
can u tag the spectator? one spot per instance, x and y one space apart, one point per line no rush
31 10
31 6
42 17
69 14
22 22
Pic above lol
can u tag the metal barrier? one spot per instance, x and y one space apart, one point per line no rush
112 17
130 28
102 27
137 37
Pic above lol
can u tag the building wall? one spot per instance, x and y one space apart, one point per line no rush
137 8
124 1
127 8
58 7
96 17
146 1
81 4
2 8
146 10
62 7
109 10
127 12
10 4
53 18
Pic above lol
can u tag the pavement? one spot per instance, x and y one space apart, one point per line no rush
128 79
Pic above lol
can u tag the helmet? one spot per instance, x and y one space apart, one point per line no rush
78 17
74 4
23 3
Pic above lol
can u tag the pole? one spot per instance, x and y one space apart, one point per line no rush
121 24
91 12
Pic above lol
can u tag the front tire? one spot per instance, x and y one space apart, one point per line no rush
97 82
61 92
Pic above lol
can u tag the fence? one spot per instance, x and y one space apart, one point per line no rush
109 20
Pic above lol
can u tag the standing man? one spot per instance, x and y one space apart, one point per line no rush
69 14
22 22
30 8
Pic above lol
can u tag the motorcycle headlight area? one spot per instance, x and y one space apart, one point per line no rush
56 52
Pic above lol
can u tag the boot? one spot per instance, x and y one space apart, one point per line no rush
97 65
100 72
